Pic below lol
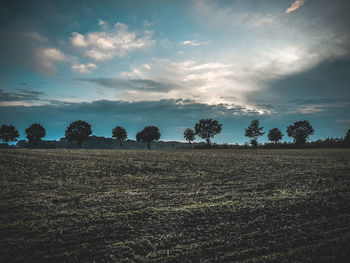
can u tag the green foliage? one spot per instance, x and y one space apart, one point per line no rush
8 133
120 134
35 133
254 131
207 129
148 134
189 135
300 131
78 131
174 206
275 135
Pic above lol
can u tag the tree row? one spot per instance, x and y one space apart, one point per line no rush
79 131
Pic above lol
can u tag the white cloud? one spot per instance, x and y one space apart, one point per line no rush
78 40
229 79
192 43
83 68
52 54
46 57
296 5
263 21
214 15
146 23
111 43
190 79
101 22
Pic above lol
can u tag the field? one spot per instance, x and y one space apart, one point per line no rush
175 206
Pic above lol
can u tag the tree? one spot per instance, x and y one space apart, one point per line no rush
300 131
253 132
347 139
34 133
207 129
275 135
78 131
189 135
120 134
148 134
8 133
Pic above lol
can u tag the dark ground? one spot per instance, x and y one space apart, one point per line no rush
175 206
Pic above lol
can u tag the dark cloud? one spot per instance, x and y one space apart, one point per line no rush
131 84
312 101
21 95
23 48
328 83
333 13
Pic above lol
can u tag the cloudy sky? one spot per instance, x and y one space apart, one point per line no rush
170 63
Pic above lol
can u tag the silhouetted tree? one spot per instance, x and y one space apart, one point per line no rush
120 134
347 139
34 134
253 132
275 135
207 129
78 131
8 133
300 131
148 134
189 135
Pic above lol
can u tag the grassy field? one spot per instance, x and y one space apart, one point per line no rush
175 206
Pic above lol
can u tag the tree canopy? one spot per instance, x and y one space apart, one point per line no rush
120 134
300 131
8 133
253 132
78 131
207 129
189 135
275 135
148 134
35 133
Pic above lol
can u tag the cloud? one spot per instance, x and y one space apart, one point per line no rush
227 79
192 43
101 22
78 40
84 68
319 89
145 85
31 50
296 5
46 57
147 23
111 43
237 15
22 97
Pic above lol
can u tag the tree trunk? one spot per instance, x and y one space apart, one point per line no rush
149 145
120 143
208 141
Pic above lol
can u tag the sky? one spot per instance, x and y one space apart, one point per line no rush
170 63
